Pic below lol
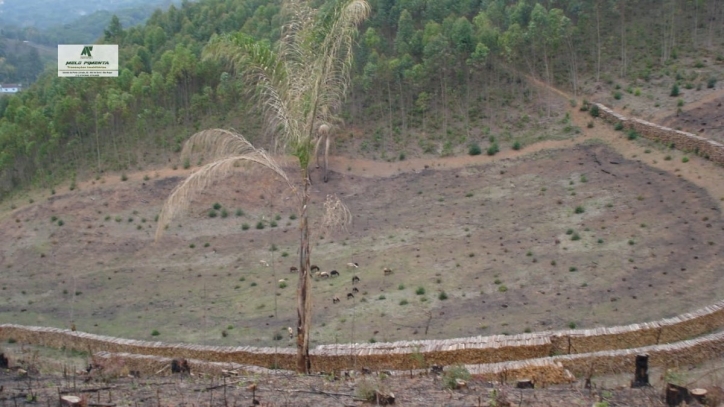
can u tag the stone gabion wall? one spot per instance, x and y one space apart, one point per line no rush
681 140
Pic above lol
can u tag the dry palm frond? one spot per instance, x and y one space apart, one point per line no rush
226 149
336 215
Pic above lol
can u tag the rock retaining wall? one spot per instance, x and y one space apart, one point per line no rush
681 140
403 355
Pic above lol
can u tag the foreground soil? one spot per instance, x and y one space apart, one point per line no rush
294 390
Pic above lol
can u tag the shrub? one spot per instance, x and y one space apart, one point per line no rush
680 103
594 111
53 218
278 336
381 297
590 124
569 231
212 213
442 296
420 291
292 216
493 149
475 149
502 288
632 134
575 237
453 374
216 206
579 209
572 269
617 95
685 160
572 325
124 177
239 213
224 213
403 302
187 163
401 287
244 226
516 145
273 223
674 90
618 126
155 333
260 225
283 284
667 158
192 245
711 83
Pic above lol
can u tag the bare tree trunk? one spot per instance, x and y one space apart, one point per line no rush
304 287
598 42
326 157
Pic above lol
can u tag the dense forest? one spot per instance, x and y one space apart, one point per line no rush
427 73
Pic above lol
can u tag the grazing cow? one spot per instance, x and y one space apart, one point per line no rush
335 299
314 268
352 265
293 269
350 295
355 280
324 274
355 290
334 273
387 271
291 332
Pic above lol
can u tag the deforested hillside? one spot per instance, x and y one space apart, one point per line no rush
431 78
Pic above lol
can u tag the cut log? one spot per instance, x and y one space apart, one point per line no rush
525 384
70 401
641 375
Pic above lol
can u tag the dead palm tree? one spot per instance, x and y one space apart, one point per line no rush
300 86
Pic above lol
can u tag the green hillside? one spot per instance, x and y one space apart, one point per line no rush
431 77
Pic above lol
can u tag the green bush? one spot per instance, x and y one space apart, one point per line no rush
579 209
674 90
493 149
618 126
632 134
212 213
420 291
594 111
576 236
475 149
502 288
617 95
685 160
244 226
442 296
517 146
155 333
711 83
224 213
260 225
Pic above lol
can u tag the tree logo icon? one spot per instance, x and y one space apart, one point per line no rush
86 53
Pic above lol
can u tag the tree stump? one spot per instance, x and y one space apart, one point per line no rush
524 384
675 395
641 375
180 366
699 395
384 399
70 401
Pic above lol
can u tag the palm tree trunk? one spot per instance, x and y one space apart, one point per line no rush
304 287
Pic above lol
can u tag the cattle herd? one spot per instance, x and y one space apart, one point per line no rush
334 273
